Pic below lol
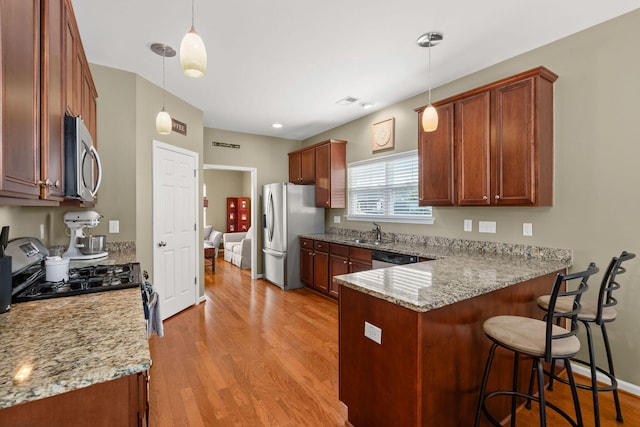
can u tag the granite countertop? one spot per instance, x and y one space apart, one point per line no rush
70 343
459 269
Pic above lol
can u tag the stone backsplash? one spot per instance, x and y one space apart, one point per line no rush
498 248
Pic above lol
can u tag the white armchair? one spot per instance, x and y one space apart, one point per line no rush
213 241
237 248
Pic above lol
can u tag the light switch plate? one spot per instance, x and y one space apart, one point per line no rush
373 332
527 229
487 226
468 225
114 226
336 219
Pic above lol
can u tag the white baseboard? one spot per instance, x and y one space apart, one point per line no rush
202 299
622 385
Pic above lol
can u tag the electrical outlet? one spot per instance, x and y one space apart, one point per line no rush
114 226
487 226
373 332
336 219
527 229
468 225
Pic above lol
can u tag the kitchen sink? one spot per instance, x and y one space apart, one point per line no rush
370 242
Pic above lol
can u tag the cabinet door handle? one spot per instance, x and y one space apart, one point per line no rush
497 197
484 197
344 262
162 244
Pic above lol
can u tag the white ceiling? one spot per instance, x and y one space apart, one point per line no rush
289 61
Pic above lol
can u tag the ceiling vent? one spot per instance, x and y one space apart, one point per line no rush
347 100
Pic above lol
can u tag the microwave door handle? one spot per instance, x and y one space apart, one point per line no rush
94 154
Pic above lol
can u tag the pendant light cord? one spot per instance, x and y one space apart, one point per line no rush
163 90
193 14
429 70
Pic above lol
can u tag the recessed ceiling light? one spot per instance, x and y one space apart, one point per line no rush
366 105
276 125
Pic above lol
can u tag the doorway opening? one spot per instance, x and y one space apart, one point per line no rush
255 206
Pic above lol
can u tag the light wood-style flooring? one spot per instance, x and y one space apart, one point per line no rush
254 355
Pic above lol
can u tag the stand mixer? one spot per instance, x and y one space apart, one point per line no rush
77 221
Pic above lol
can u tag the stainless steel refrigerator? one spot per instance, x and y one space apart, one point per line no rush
288 210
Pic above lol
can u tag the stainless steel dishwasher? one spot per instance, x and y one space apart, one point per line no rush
383 259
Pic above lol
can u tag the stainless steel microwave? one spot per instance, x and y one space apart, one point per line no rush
82 167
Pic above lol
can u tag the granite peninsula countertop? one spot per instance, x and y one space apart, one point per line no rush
459 270
70 343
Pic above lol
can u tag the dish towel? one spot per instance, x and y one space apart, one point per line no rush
154 323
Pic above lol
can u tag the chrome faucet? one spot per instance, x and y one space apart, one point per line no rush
378 231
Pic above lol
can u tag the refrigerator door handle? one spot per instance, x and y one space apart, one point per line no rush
274 253
270 217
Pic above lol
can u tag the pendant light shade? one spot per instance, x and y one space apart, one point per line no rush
429 115
193 53
164 124
429 119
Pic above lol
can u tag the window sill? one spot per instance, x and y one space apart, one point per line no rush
396 219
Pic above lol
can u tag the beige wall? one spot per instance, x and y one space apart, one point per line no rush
266 154
596 205
148 102
220 185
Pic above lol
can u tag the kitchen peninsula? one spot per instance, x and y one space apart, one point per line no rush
412 349
80 360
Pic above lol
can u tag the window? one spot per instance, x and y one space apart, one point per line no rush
386 189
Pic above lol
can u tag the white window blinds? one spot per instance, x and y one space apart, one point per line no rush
386 188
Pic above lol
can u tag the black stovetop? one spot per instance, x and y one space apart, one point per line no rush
31 285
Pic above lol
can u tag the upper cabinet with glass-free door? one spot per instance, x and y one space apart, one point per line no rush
503 145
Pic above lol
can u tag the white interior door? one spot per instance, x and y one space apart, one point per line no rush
175 253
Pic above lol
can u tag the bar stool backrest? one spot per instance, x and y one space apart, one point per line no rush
571 317
610 284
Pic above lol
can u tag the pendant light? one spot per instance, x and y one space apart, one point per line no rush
193 54
163 119
430 115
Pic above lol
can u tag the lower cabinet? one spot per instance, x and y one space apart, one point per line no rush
320 261
119 402
321 266
314 264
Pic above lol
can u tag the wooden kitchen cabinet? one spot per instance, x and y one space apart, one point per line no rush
436 161
344 259
473 139
331 174
314 264
302 166
81 95
503 145
306 261
321 266
327 162
20 95
119 402
53 101
38 81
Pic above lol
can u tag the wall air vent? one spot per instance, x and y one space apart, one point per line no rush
347 100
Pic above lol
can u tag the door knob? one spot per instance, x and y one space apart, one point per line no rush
162 244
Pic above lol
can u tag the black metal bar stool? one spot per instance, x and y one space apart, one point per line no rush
599 312
541 340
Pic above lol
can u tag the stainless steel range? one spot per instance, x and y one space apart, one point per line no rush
30 283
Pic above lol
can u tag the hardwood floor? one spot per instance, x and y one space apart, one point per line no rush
254 355
251 355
